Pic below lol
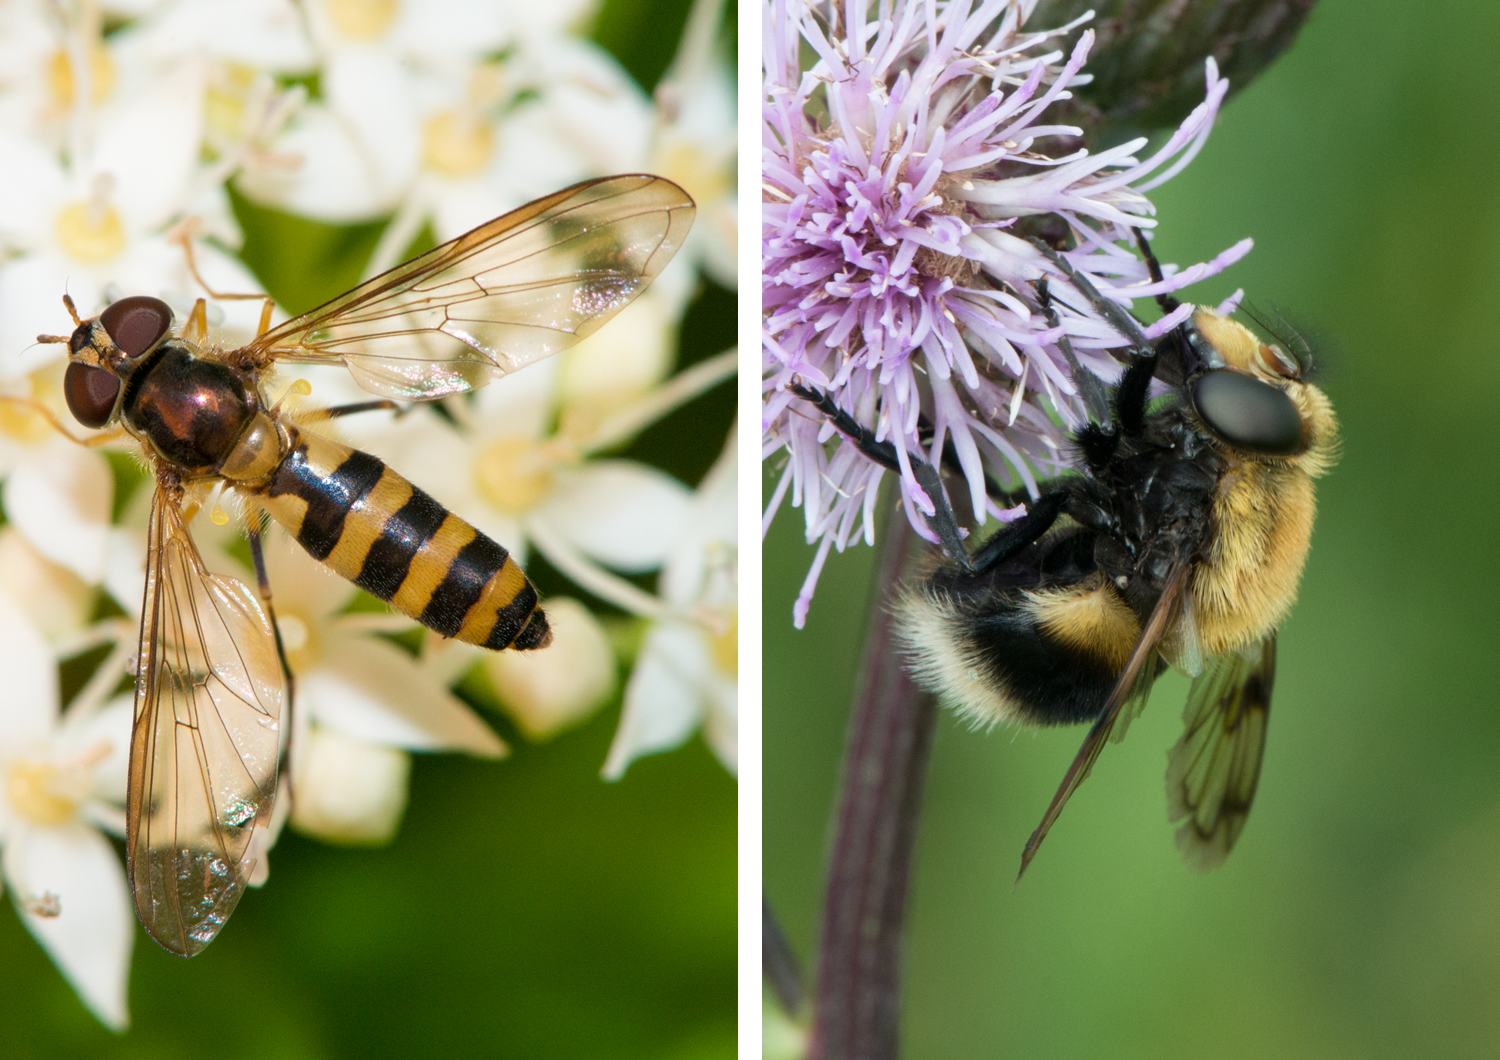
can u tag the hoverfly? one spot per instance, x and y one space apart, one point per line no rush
1181 540
210 674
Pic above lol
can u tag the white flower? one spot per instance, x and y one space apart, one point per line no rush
95 226
687 672
61 779
696 143
56 493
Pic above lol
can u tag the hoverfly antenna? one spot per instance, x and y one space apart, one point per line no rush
49 339
1282 331
72 310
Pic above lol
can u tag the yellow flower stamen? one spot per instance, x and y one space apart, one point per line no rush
33 792
92 232
299 639
456 145
514 474
101 75
724 647
361 19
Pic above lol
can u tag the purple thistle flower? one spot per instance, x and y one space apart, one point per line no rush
892 170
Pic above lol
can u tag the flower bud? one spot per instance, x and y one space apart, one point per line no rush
348 791
1147 60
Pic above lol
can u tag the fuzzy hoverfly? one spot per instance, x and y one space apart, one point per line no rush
1180 541
210 679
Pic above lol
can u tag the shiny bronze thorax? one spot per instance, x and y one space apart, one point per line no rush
191 411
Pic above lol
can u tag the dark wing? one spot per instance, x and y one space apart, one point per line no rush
1132 687
512 291
1213 769
204 748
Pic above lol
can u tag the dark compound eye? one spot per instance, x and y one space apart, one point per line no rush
90 393
136 323
1244 411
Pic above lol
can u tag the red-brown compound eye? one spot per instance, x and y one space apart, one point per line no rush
136 323
90 393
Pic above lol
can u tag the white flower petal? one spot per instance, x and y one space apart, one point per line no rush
91 937
151 146
57 600
28 708
619 512
348 790
550 690
60 500
32 188
370 689
664 698
107 730
31 290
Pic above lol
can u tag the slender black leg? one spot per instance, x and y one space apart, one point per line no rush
1116 316
884 454
361 406
1090 387
1130 395
1017 535
1166 301
263 585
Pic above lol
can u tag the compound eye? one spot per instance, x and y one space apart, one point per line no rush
90 393
1246 412
136 323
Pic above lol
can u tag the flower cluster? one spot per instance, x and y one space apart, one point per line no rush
123 127
905 172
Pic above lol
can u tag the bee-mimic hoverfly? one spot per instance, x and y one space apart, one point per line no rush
207 736
1180 541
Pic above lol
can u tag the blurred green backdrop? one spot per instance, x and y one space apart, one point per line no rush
1360 914
527 908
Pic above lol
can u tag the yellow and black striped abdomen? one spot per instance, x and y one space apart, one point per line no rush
370 525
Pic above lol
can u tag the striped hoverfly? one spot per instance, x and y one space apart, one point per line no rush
211 676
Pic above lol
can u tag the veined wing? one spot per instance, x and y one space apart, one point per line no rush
204 748
512 291
1213 770
1131 689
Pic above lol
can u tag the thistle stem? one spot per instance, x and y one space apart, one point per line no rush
857 1000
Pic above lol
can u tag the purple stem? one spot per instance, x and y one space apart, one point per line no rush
857 1001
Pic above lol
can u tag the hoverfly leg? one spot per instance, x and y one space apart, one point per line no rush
197 322
47 414
884 454
1090 386
266 308
336 411
1007 542
1112 312
1166 301
263 586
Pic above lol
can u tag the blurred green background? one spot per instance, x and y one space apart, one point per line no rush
1359 915
527 908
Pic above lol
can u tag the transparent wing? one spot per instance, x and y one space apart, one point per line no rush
1213 770
512 291
204 748
1127 698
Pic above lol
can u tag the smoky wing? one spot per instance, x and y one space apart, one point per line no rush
205 743
1126 699
512 291
1213 770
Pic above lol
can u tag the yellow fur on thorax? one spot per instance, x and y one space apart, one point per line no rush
1264 518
